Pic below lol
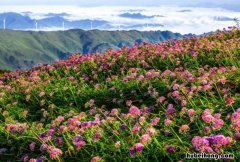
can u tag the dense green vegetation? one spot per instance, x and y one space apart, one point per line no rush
154 102
25 49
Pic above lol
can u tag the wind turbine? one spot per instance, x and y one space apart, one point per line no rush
91 25
36 25
4 24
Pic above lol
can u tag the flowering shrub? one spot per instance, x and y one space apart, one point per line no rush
141 103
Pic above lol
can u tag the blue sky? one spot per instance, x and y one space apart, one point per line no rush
117 2
201 16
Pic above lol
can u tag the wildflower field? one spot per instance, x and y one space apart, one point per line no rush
153 102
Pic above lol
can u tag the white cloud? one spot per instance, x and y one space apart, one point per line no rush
198 21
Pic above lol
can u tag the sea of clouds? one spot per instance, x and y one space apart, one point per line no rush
184 20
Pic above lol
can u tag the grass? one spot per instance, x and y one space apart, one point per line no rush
153 102
25 49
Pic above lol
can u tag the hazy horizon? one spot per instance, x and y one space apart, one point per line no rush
184 17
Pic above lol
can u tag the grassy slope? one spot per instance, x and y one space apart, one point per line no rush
23 49
201 75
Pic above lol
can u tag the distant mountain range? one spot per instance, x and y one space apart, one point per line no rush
51 20
24 49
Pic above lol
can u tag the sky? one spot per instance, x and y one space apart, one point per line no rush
202 15
117 2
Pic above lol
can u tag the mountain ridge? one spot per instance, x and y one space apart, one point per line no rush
25 49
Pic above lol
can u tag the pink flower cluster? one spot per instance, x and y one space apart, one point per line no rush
16 128
214 120
236 120
136 148
211 144
54 152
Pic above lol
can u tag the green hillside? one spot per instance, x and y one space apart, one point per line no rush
148 103
24 49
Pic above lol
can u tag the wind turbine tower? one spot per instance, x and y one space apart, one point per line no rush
36 25
91 25
4 24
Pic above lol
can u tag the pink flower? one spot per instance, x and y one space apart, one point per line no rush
138 147
155 74
78 142
217 116
201 144
97 136
217 124
176 87
8 87
175 93
54 152
191 112
207 129
220 140
108 79
62 128
60 119
96 159
161 99
170 112
91 102
97 86
136 129
184 129
208 118
222 80
133 75
25 158
129 102
207 87
207 112
32 160
170 149
43 147
151 131
237 126
114 112
204 82
210 144
86 124
237 136
141 119
59 141
229 101
183 103
140 77
148 75
235 117
41 94
155 121
71 78
134 111
32 146
236 120
125 80
145 139
167 122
